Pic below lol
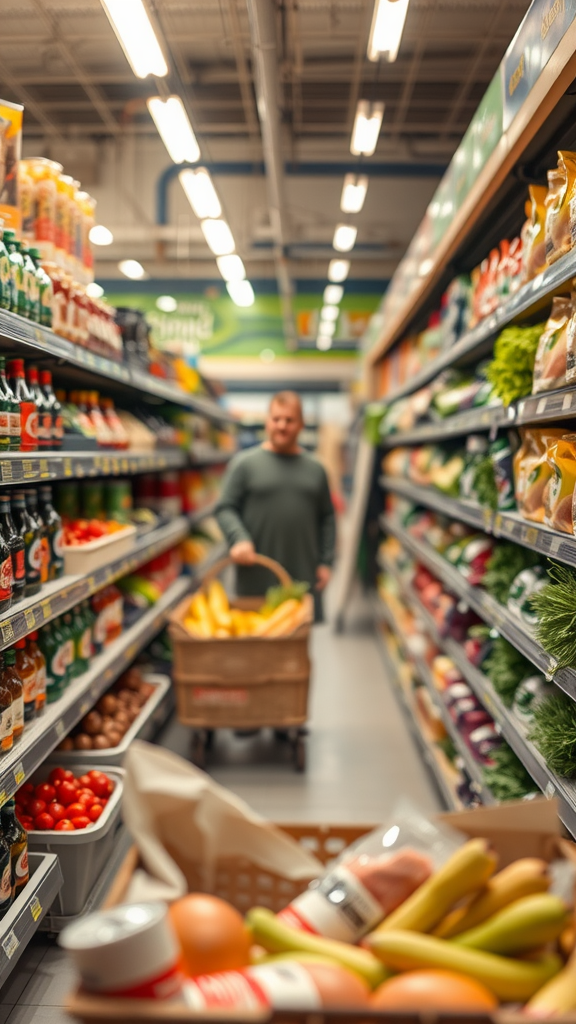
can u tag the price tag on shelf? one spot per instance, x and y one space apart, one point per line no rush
124 465
554 546
531 535
541 407
46 608
84 707
44 469
105 465
19 774
567 402
30 618
114 465
39 336
3 797
10 944
7 474
7 631
511 414
550 790
497 524
59 728
68 470
28 470
487 518
35 908
91 583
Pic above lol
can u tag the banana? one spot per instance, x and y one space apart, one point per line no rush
467 870
276 937
523 877
524 925
510 980
557 996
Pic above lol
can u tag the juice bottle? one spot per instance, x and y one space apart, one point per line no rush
28 531
40 553
16 839
5 877
45 290
16 548
6 714
40 662
53 526
17 282
5 280
26 669
5 573
55 408
5 410
11 680
28 410
52 647
12 407
31 285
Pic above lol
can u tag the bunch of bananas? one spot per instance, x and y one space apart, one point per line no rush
211 616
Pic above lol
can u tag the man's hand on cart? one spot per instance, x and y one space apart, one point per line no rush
323 574
243 552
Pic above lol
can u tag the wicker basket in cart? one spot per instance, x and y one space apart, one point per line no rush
242 682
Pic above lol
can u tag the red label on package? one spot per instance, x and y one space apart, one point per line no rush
164 986
6 578
29 425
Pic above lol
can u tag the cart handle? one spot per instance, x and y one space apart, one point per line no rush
268 563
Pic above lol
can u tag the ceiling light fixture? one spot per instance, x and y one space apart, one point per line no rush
231 268
353 193
366 130
166 304
133 27
94 290
132 269
344 237
333 294
241 292
200 192
387 27
323 342
99 235
338 270
327 328
329 313
218 236
174 128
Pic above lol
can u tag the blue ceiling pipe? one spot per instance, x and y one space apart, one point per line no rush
316 169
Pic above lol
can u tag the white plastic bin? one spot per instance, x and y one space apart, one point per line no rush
82 558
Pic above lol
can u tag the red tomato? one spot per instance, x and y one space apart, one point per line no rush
94 812
86 792
58 811
27 823
28 788
20 810
45 792
66 793
81 821
76 783
85 780
36 807
95 773
64 825
85 801
44 821
100 787
57 775
74 809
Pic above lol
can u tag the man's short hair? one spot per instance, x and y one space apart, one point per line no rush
287 398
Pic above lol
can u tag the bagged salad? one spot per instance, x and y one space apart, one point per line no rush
532 471
559 491
533 234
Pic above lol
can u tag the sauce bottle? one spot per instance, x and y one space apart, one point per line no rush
17 284
12 681
5 877
26 669
40 662
88 620
45 290
28 410
114 423
31 285
6 714
53 526
28 531
5 410
54 406
43 408
104 435
5 573
82 641
13 409
41 552
51 644
16 838
15 545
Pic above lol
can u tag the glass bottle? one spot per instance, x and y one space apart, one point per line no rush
5 282
13 408
5 410
43 408
12 681
52 645
43 551
40 662
28 410
45 290
82 642
53 526
16 838
31 285
88 620
55 408
104 435
6 714
5 877
5 572
26 669
16 548
28 531
17 284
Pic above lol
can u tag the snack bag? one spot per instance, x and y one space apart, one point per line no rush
561 188
533 234
532 470
571 347
559 492
550 365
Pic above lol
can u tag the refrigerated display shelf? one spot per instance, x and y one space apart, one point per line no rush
26 913
45 733
17 331
468 511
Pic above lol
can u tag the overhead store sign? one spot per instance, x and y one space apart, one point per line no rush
529 52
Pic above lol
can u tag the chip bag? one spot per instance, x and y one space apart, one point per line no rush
532 470
561 190
550 365
559 491
533 234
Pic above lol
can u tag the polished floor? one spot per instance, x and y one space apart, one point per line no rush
360 757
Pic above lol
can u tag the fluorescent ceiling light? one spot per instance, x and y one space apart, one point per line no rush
387 27
327 327
218 236
99 235
131 23
366 130
323 342
200 192
132 269
94 290
231 268
329 313
344 237
174 128
338 270
425 267
353 193
166 303
333 294
241 292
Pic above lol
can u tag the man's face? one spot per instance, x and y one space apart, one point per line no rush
283 425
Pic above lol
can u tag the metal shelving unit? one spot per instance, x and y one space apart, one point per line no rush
26 913
63 465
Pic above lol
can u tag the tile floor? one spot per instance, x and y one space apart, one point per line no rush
360 756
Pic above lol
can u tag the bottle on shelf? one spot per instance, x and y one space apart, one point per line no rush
11 680
17 283
45 290
16 838
119 436
40 662
104 435
16 547
5 284
43 407
28 410
67 628
6 714
53 526
41 553
5 876
87 642
54 406
52 645
31 285
6 573
26 669
82 636
28 531
12 406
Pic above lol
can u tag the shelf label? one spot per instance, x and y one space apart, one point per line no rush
28 470
114 465
30 617
46 608
84 707
497 524
487 518
549 790
567 403
3 797
59 728
554 545
7 473
68 471
19 774
91 583
7 630
35 908
541 407
531 535
44 469
10 944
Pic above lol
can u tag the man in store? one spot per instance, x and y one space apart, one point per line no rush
276 501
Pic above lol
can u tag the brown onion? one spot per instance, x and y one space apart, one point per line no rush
92 723
82 741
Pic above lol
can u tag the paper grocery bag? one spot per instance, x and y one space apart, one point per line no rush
186 826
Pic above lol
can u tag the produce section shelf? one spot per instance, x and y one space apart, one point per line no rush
467 511
469 422
42 736
27 912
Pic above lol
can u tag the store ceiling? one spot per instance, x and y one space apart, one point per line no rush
61 59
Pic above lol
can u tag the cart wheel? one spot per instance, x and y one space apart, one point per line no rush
198 755
300 753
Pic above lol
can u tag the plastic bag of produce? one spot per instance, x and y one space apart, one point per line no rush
551 356
561 187
527 583
559 492
533 234
532 470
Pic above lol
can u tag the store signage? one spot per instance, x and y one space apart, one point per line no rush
529 52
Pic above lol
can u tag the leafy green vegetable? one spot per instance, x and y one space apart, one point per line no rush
555 606
507 778
506 668
511 370
484 483
503 566
275 596
554 733
447 747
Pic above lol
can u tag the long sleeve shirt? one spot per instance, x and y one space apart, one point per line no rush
282 504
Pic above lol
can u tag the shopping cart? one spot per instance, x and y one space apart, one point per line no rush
242 683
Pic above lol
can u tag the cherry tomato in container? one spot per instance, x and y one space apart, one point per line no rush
75 809
36 807
45 792
81 821
66 793
64 826
84 780
101 787
27 823
27 788
44 822
58 811
95 812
